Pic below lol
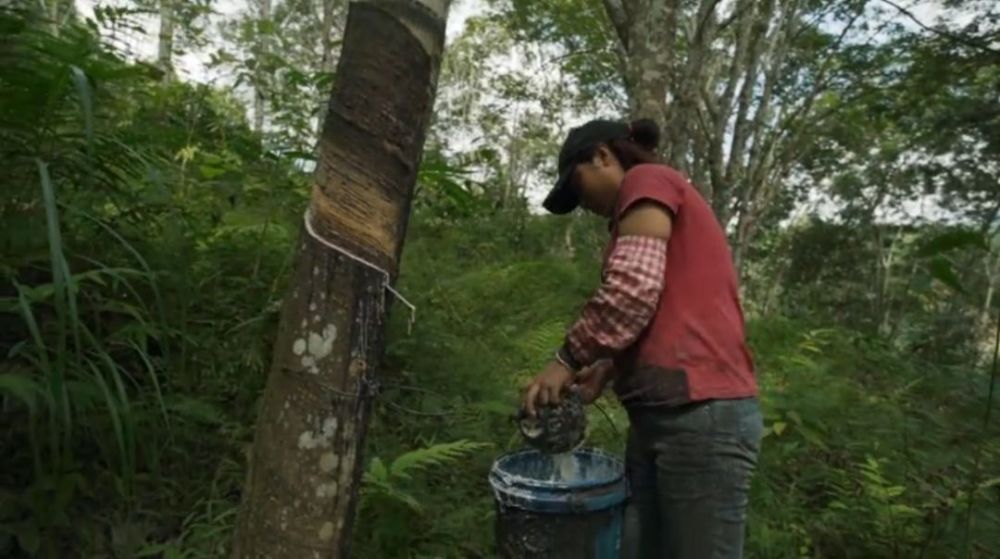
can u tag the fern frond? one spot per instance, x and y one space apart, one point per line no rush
435 455
377 472
544 339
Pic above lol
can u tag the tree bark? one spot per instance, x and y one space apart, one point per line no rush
650 28
992 273
260 80
165 47
305 465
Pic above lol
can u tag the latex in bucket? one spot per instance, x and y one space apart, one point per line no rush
558 506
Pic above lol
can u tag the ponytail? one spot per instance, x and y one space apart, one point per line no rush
640 145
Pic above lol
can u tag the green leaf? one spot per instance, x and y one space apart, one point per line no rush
436 455
86 104
904 510
195 410
778 427
265 27
22 387
990 483
895 490
156 550
942 270
208 172
497 407
407 499
28 537
378 471
812 437
952 240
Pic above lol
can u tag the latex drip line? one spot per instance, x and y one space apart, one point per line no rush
307 218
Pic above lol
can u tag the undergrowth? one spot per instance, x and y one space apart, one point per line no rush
146 239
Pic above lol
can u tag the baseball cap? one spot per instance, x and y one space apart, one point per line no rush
563 198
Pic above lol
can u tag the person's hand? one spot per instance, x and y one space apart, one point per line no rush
547 387
590 382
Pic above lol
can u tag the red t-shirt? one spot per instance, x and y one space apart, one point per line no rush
694 348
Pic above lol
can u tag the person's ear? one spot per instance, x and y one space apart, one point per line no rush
604 157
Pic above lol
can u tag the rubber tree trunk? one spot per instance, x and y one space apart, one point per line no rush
305 465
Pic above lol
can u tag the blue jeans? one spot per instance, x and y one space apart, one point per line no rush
689 470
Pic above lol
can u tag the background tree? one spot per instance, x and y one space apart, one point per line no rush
286 58
736 87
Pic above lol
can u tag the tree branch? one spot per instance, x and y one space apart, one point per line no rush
789 126
739 140
941 32
737 14
705 12
701 33
619 17
761 149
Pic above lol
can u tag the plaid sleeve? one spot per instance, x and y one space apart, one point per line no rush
621 309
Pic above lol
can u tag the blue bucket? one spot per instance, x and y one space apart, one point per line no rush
562 506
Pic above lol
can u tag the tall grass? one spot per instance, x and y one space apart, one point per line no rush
77 389
69 383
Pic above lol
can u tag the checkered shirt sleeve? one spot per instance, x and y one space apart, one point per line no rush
616 315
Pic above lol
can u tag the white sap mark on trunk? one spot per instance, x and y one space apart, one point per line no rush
323 438
312 307
307 440
309 362
317 318
299 346
305 323
326 490
315 270
328 462
326 531
322 295
317 346
329 427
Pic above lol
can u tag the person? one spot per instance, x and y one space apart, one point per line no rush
666 328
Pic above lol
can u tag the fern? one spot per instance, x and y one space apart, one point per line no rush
383 481
542 340
436 455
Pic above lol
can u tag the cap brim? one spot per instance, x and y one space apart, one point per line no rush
562 199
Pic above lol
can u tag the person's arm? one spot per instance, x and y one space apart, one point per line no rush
616 315
627 299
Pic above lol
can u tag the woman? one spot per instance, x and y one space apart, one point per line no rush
667 328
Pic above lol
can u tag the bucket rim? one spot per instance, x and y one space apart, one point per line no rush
511 480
